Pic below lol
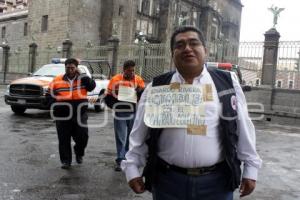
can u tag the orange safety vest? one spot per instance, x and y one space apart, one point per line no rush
118 79
60 89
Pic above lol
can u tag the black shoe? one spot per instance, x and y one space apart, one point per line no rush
66 166
118 167
79 159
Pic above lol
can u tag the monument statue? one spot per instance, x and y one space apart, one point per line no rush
182 19
116 29
276 11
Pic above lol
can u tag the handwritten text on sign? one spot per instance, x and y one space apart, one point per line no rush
181 107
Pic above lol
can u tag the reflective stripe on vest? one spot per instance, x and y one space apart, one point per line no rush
63 91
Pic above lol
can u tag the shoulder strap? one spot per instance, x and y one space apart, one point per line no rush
222 80
163 79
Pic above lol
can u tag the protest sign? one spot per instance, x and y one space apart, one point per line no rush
176 107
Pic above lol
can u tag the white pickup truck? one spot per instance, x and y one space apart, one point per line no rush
30 92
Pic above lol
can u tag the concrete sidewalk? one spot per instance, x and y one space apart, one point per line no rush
279 148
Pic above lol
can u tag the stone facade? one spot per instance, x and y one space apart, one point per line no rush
77 20
278 105
14 29
11 5
95 21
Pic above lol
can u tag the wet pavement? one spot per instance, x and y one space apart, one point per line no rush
30 167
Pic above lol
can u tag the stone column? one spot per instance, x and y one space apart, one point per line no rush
5 60
165 25
270 65
270 57
32 57
67 48
205 21
114 43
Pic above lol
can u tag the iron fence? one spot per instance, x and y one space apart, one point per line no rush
250 60
1 60
151 59
155 59
44 56
251 55
18 61
222 51
288 56
91 52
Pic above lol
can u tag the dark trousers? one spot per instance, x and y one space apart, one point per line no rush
67 129
172 185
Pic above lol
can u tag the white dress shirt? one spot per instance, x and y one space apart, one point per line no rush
189 151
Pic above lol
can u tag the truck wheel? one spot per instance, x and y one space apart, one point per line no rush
18 109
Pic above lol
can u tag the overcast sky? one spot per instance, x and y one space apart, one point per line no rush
257 19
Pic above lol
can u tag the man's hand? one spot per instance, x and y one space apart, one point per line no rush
139 91
247 186
137 185
77 72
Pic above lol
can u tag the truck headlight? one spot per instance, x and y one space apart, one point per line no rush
7 89
45 90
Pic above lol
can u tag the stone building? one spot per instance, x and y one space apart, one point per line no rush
49 22
11 5
219 20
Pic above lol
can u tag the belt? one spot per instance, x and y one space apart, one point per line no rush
199 171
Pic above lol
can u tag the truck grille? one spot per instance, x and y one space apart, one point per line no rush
25 90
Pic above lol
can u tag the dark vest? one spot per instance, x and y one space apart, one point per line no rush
227 129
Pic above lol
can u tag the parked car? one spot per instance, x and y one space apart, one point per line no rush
30 92
232 68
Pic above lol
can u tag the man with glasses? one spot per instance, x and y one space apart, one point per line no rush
200 161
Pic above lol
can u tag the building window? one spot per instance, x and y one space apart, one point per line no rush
25 29
140 5
151 8
214 33
257 82
121 10
235 34
3 32
138 25
44 27
195 18
146 7
150 29
144 26
291 84
279 84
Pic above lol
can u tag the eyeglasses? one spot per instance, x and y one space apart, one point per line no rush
70 67
193 43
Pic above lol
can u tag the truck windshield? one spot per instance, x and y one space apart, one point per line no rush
50 70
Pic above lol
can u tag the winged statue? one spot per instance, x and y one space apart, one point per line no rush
276 11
